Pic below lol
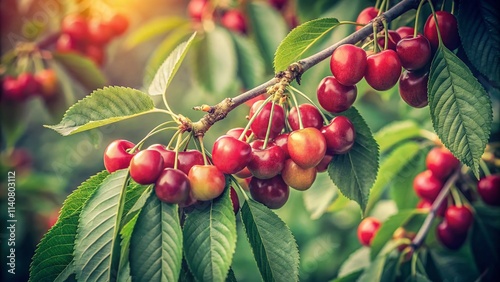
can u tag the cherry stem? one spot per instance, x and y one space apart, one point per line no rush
325 119
436 21
386 34
159 128
299 114
484 167
381 8
375 41
200 139
269 125
177 145
172 139
244 132
442 5
424 229
456 196
419 9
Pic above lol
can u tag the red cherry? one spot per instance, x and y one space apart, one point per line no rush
278 4
66 44
172 186
167 155
339 135
244 173
146 166
76 27
188 159
414 52
236 133
448 29
234 20
448 237
383 70
441 162
231 155
207 182
234 200
47 81
393 37
426 205
413 88
366 16
334 96
297 177
282 142
259 125
196 9
119 23
116 156
367 230
306 147
489 189
323 165
311 117
95 53
427 186
405 31
12 90
348 64
28 84
459 219
100 33
273 192
266 163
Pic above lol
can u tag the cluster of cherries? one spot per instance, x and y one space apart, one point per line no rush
382 70
18 89
89 37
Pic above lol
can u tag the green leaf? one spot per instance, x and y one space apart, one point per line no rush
215 62
375 270
126 235
354 172
300 39
320 196
485 242
102 107
352 277
262 17
479 27
95 235
418 277
250 64
358 260
210 239
273 245
457 264
396 132
82 69
153 29
156 243
460 108
389 168
169 68
55 251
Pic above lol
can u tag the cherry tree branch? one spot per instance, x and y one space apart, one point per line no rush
294 72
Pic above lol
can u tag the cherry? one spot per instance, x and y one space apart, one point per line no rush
306 147
28 84
448 237
405 31
100 32
278 4
348 64
393 37
116 156
66 44
282 142
118 23
339 135
413 88
441 162
459 219
366 16
383 70
297 177
414 52
427 186
234 200
367 229
172 186
196 9
231 155
311 117
75 26
323 165
188 159
234 20
95 53
207 182
448 29
266 163
146 166
426 205
402 233
272 192
259 125
489 189
236 133
167 155
47 81
12 89
334 96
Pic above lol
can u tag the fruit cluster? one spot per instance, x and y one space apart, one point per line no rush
89 37
25 85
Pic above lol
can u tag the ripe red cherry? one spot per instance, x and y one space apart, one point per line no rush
306 147
100 32
427 186
12 90
282 142
311 117
234 20
489 189
188 159
266 163
323 165
414 52
196 9
348 64
167 155
95 53
172 186
231 155
297 177
207 182
66 44
334 96
393 37
448 29
383 70
405 31
47 81
459 219
116 156
234 200
273 192
366 16
413 88
28 84
441 162
236 133
367 229
76 27
259 125
448 237
146 166
339 135
119 23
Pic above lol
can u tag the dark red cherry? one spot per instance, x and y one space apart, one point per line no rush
393 37
231 155
234 200
146 166
427 186
448 29
383 70
116 155
367 229
282 142
459 219
489 189
448 237
405 31
172 186
311 117
414 52
413 88
366 15
188 159
167 155
259 125
323 165
272 192
334 96
348 64
339 135
441 162
266 163
236 133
